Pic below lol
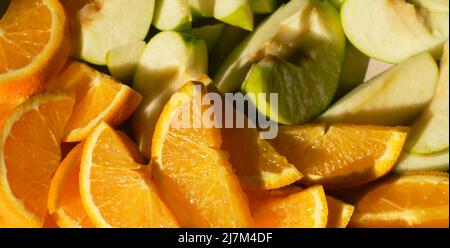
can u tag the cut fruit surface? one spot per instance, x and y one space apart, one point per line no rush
234 12
202 8
122 61
304 209
418 200
397 97
64 200
98 97
101 25
170 60
255 161
339 213
34 45
341 156
191 170
211 34
402 28
29 155
172 15
116 191
417 162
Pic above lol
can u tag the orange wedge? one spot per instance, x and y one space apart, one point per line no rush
341 156
192 172
303 209
418 200
116 191
29 155
34 45
98 97
255 161
339 213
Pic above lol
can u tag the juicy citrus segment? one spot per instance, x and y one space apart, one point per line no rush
34 45
192 172
339 213
255 161
418 200
30 153
115 190
304 209
341 156
98 97
64 200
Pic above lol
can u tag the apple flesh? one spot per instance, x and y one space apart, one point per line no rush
172 15
100 26
394 98
429 134
211 34
282 35
261 7
392 31
234 12
415 162
169 61
202 8
122 61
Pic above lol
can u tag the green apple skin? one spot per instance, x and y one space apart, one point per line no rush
354 70
172 15
100 28
414 162
401 29
122 61
170 60
397 97
211 34
430 133
262 7
202 8
337 3
234 12
263 41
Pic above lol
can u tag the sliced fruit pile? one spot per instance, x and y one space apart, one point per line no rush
109 116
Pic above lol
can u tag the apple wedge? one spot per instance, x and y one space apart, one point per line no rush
211 34
285 34
414 162
122 61
103 25
261 7
392 31
170 60
234 12
337 3
429 134
395 98
202 8
172 15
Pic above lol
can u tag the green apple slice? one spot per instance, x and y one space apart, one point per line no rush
170 60
354 70
415 162
122 61
433 5
429 134
261 7
395 98
234 12
202 8
211 34
282 35
392 31
103 25
337 3
172 15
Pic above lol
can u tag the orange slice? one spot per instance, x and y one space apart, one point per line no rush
255 161
339 213
341 156
116 191
418 200
192 172
98 97
34 45
29 155
303 209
